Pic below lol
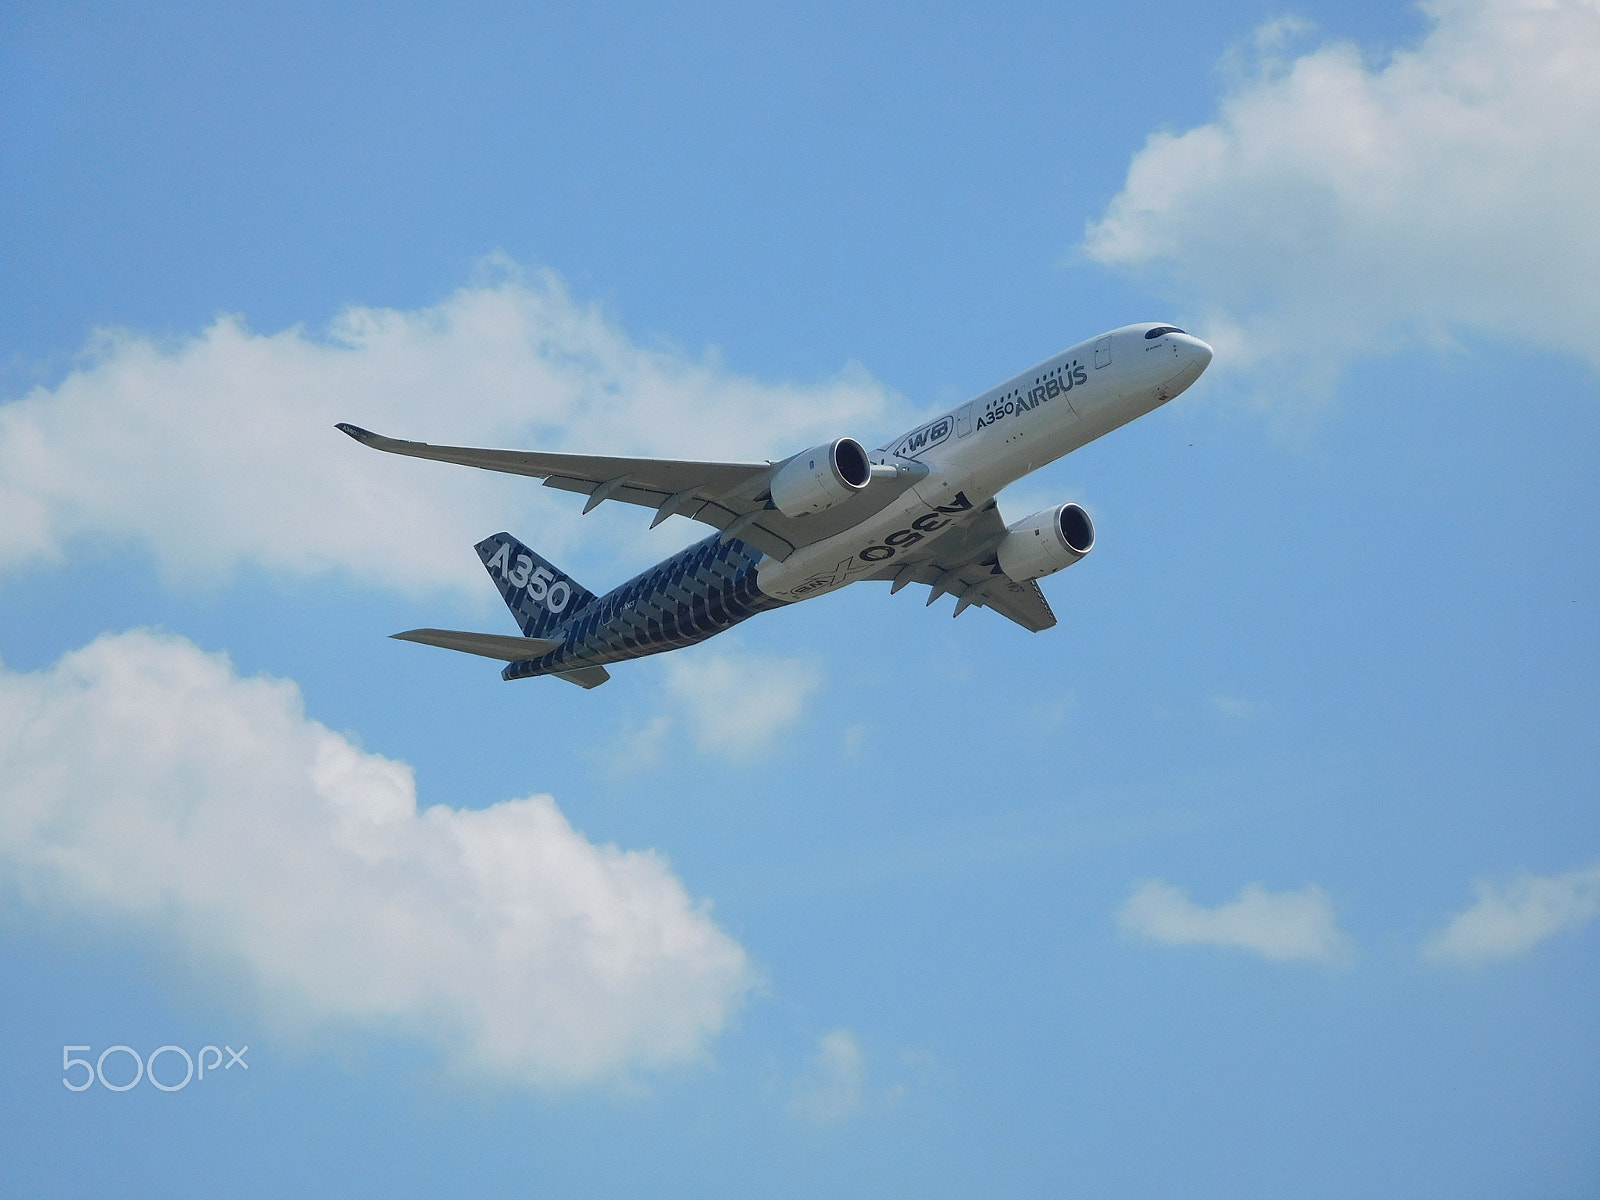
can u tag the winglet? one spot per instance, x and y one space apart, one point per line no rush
365 436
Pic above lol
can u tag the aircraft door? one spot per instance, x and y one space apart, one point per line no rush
1102 353
964 420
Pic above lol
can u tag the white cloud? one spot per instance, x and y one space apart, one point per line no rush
1283 926
219 449
142 781
735 703
638 747
830 1090
1507 921
1335 208
724 702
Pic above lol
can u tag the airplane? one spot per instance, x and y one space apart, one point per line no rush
918 509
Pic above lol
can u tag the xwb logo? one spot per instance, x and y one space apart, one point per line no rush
918 440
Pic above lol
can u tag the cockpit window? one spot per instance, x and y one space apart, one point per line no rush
1160 329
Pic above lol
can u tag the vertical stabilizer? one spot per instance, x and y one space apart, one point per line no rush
539 595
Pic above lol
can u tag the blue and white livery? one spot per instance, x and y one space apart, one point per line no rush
918 509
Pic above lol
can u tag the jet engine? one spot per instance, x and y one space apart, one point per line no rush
817 479
1045 543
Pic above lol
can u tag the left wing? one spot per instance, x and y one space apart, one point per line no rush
963 563
732 497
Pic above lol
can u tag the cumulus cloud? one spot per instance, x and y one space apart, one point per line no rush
735 703
1282 926
1336 207
639 747
142 781
219 449
830 1090
1511 919
725 702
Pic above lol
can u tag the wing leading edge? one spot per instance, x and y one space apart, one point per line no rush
729 496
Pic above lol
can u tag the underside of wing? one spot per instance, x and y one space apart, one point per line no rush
731 497
962 563
1024 603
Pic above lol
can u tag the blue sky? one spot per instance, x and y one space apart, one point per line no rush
1272 870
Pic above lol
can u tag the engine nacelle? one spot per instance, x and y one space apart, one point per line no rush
1046 542
821 477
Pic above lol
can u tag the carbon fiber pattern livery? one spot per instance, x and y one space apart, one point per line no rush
699 592
539 594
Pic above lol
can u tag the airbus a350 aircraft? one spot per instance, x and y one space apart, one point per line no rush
919 509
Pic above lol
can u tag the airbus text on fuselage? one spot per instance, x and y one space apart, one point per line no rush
918 509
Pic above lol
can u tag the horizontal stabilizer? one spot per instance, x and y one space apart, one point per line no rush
490 645
585 677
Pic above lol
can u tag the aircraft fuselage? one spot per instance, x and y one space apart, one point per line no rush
919 508
964 457
993 440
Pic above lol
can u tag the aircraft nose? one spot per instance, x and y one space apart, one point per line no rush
1197 352
1194 357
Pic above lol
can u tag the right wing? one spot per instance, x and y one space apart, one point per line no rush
732 497
963 563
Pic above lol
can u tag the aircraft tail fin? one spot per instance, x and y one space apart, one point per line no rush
539 594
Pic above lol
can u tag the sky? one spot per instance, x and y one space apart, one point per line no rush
1272 870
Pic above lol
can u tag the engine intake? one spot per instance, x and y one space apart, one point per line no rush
817 479
1045 543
